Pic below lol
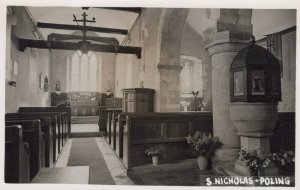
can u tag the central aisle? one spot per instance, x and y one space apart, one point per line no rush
85 152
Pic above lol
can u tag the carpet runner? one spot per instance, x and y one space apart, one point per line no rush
85 152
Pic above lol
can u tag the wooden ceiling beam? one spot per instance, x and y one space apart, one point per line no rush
62 37
126 9
41 44
76 27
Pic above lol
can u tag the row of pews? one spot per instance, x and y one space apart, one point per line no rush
34 138
130 134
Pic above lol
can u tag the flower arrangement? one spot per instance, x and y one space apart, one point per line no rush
254 160
203 144
284 160
154 150
202 104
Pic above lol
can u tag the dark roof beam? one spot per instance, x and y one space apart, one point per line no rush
126 9
41 44
62 37
76 27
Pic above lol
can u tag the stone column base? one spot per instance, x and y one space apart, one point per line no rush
242 169
225 157
261 144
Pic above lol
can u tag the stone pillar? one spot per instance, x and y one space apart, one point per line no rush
169 87
168 97
222 51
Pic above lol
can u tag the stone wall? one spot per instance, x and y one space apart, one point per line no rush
145 34
108 71
58 65
58 69
123 74
288 80
169 65
192 45
19 68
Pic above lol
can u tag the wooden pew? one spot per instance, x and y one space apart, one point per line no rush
55 125
102 119
141 130
32 134
60 124
66 110
47 128
113 128
121 121
114 103
16 156
108 127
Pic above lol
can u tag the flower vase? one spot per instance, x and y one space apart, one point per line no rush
202 162
155 160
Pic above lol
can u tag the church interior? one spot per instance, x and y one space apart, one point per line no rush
148 96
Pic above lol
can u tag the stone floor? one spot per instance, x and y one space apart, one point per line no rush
63 175
189 176
79 128
84 119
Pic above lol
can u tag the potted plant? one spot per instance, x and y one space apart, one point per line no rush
153 151
285 161
204 145
254 161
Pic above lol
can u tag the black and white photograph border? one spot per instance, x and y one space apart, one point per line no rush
138 94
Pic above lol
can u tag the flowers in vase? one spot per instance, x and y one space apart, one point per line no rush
284 160
203 144
254 160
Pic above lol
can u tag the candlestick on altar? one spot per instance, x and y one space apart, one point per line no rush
195 94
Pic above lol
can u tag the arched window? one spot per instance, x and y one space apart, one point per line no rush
93 68
84 72
191 76
75 71
186 78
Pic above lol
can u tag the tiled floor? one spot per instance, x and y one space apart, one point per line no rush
79 128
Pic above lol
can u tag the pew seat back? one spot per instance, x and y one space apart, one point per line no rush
32 134
56 136
47 129
138 131
16 156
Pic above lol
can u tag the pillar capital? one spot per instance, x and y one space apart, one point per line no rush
227 41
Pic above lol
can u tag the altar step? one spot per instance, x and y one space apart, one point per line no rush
85 130
84 119
85 134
